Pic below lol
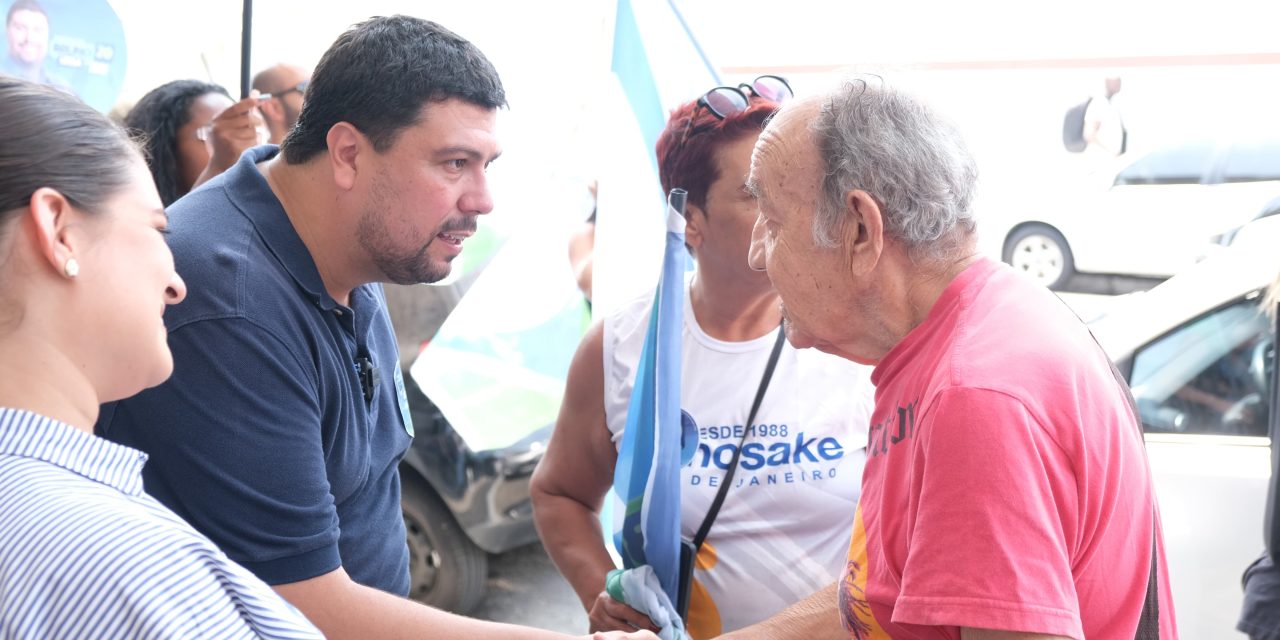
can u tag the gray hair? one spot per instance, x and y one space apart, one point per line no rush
913 163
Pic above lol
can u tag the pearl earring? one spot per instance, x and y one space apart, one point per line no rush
71 268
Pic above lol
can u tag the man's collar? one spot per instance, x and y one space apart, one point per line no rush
248 191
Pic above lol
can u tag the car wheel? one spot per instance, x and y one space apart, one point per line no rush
1041 253
446 569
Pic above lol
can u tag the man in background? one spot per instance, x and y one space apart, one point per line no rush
27 32
286 84
1104 129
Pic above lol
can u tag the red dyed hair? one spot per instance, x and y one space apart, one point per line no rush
692 166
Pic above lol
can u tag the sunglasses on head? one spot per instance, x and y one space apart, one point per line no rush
726 101
723 102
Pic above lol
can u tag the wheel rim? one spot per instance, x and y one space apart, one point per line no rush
424 560
1039 257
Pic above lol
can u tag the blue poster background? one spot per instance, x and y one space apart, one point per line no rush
87 52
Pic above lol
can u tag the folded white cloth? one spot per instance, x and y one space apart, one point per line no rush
639 589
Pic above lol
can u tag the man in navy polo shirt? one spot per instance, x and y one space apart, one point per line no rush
280 432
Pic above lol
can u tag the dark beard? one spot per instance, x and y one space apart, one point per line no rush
407 268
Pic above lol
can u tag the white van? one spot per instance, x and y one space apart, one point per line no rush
1155 217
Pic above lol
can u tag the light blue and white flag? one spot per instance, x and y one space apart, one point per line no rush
647 474
656 65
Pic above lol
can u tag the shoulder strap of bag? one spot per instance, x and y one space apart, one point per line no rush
714 509
1149 619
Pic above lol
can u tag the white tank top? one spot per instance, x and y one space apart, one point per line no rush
783 531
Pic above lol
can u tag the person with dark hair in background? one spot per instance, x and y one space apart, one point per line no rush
281 431
192 131
27 32
285 84
87 553
782 529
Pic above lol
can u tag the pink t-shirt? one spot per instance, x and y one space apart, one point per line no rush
1006 483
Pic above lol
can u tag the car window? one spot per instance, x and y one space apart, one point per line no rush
1252 160
1209 376
1181 164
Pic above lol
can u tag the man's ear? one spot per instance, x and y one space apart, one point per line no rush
346 146
695 225
863 231
52 219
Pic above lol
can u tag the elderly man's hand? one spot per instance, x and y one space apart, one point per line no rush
608 614
620 635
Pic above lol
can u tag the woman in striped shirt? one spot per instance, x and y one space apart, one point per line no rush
85 275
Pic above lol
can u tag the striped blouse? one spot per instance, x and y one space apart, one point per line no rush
86 553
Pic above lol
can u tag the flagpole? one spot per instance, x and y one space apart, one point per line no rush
246 45
715 73
662 530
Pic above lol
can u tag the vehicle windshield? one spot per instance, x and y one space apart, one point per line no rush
1210 376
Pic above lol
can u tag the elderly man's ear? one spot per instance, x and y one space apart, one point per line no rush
863 231
755 251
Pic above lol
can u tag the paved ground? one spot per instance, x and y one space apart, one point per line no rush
525 588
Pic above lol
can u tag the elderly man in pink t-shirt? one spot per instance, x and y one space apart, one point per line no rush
1006 492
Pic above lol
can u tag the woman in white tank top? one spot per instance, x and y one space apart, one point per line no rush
783 530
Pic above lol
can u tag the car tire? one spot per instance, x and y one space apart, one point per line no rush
446 569
1041 253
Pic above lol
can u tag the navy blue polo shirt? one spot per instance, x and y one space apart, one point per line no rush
263 438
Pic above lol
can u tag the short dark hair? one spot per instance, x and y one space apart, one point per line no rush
49 138
25 5
154 122
378 76
692 165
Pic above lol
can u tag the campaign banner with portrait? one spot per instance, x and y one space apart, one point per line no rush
75 45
